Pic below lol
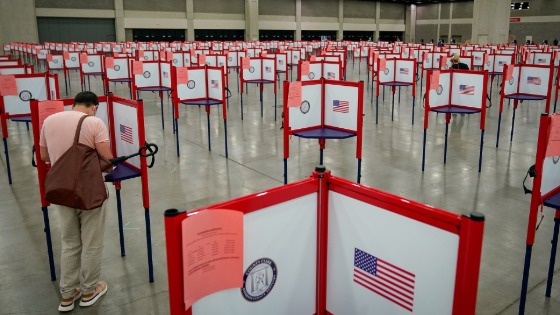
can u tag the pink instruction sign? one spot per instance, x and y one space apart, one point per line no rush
212 253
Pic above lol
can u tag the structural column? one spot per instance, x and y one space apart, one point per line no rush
410 24
252 19
298 20
340 33
18 22
190 20
491 21
377 19
119 21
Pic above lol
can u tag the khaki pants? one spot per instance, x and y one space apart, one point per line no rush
82 244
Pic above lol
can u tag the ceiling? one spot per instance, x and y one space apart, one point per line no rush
420 2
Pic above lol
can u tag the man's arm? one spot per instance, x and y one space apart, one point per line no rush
104 149
44 152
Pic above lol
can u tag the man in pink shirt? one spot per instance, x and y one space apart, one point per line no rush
81 230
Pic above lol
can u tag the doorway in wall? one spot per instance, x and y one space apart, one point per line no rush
390 36
219 35
357 35
276 35
318 35
159 35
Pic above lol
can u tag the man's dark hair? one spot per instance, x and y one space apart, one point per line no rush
86 98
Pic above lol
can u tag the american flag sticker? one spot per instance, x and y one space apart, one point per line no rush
281 62
403 71
341 106
541 60
387 280
534 80
268 69
477 58
466 89
165 74
126 133
331 76
214 84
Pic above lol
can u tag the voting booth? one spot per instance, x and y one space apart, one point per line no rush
323 109
118 70
125 121
16 91
317 69
201 86
323 245
23 69
545 192
455 92
260 71
525 83
395 73
91 65
151 76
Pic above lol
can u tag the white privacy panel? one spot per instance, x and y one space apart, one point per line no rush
341 106
309 113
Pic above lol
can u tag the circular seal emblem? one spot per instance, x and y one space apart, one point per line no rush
175 60
55 61
555 159
25 95
304 107
90 63
191 84
386 71
510 81
259 279
145 57
73 58
311 75
117 67
428 60
252 69
230 59
446 67
208 63
439 90
147 74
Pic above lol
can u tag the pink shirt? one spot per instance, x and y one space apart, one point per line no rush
59 129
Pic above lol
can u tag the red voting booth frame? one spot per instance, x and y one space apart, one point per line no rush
118 78
323 129
260 82
123 171
557 88
468 228
550 199
519 96
92 60
393 84
23 117
23 69
451 108
322 63
157 88
206 101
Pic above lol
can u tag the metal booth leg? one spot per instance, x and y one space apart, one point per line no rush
149 244
553 252
49 241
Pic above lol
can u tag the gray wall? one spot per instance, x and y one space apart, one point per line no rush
462 10
319 8
75 4
218 6
538 8
392 11
18 21
462 30
74 29
359 9
539 31
427 12
156 5
445 7
275 7
426 32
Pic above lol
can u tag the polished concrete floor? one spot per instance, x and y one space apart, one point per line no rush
391 162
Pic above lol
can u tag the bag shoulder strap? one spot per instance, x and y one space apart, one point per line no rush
77 136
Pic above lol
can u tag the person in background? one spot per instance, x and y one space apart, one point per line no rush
457 64
81 230
555 42
545 42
